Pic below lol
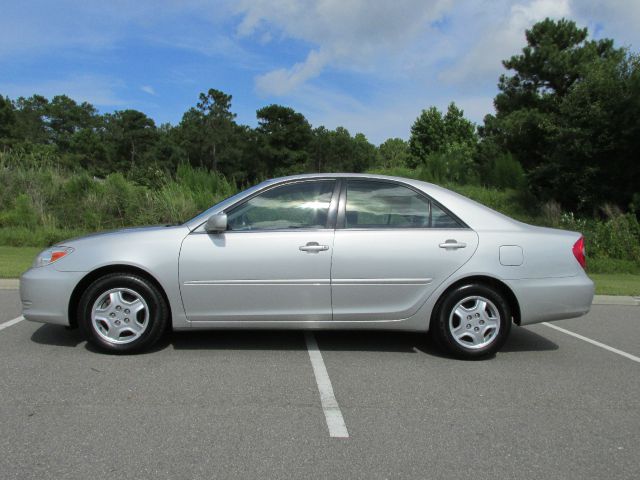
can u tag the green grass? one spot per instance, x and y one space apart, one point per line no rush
616 283
15 260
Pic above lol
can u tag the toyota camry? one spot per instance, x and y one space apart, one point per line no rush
322 251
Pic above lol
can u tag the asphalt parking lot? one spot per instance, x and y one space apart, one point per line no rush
247 405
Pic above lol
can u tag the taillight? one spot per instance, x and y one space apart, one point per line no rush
579 252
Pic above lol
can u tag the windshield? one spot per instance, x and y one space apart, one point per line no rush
202 217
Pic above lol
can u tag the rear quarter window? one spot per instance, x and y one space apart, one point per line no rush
441 219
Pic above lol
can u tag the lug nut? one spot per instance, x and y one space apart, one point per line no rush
126 310
126 320
481 322
477 329
468 325
117 322
468 317
112 314
118 307
477 315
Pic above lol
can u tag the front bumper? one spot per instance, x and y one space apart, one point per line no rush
45 294
547 299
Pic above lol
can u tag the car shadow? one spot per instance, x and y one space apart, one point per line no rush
235 340
520 340
57 335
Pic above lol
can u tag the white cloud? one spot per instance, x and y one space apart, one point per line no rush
475 107
618 19
415 62
400 39
283 81
352 34
148 89
502 38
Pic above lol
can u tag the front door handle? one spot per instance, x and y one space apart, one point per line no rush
452 244
313 247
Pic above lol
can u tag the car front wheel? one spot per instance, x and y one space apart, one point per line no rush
472 321
122 313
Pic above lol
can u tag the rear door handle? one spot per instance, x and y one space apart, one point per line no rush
452 244
313 247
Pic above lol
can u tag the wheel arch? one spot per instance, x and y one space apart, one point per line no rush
492 282
90 277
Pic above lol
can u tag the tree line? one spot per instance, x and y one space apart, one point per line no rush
566 128
208 137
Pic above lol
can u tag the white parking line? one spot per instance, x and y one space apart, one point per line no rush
593 342
11 322
332 413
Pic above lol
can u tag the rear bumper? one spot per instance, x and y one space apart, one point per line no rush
547 299
45 294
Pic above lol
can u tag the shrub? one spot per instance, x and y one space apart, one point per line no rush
618 238
504 171
508 201
206 187
454 164
39 194
611 265
39 237
21 214
173 204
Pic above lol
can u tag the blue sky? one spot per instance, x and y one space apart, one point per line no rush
370 66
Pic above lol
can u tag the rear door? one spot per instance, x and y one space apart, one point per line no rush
392 248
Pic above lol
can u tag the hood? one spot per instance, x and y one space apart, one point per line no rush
149 230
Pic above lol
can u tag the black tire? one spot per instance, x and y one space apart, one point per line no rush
471 343
151 321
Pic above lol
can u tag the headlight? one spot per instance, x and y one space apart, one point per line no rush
51 255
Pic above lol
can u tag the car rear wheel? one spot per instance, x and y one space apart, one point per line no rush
472 321
122 313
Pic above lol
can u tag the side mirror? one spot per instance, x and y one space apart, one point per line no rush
216 223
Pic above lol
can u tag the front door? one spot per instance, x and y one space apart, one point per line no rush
273 263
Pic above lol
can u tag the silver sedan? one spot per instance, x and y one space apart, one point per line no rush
335 251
